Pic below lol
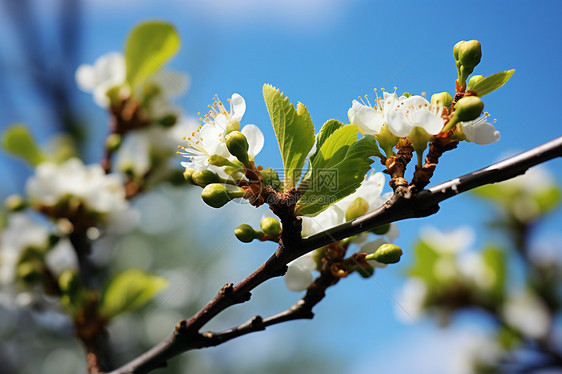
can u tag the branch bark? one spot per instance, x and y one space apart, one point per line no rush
405 203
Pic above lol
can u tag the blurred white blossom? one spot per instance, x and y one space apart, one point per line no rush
79 186
527 313
107 72
21 233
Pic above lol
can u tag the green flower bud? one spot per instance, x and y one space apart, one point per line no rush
271 178
15 203
444 99
473 80
113 142
456 49
381 230
70 284
168 120
204 177
218 160
32 254
217 195
470 53
270 226
386 254
246 233
357 208
188 175
468 108
238 146
29 272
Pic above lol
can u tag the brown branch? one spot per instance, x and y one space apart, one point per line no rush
405 203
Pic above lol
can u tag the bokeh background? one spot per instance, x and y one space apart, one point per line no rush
323 53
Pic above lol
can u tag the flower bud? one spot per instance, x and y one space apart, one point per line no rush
29 272
381 230
270 226
246 233
444 99
470 53
188 175
456 49
217 195
473 80
15 203
168 120
238 146
357 208
218 160
386 254
113 142
204 177
468 108
69 283
271 178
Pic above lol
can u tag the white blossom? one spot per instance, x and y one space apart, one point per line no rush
108 71
21 233
480 131
208 139
448 242
73 181
527 313
371 118
414 111
411 301
299 273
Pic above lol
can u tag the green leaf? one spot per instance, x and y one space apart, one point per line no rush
548 199
495 259
294 131
325 132
130 290
149 46
425 258
491 83
18 141
337 170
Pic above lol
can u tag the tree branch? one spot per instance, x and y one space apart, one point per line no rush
405 203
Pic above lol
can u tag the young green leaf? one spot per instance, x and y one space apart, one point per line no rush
337 171
18 141
491 83
294 131
149 46
130 290
327 129
494 258
425 259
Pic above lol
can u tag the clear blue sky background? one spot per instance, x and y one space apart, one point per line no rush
325 53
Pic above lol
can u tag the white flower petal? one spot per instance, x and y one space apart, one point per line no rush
134 153
480 132
367 118
255 139
237 107
299 276
86 77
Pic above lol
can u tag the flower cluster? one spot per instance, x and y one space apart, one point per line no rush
365 199
84 194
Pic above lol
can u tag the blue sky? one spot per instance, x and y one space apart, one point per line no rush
325 53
